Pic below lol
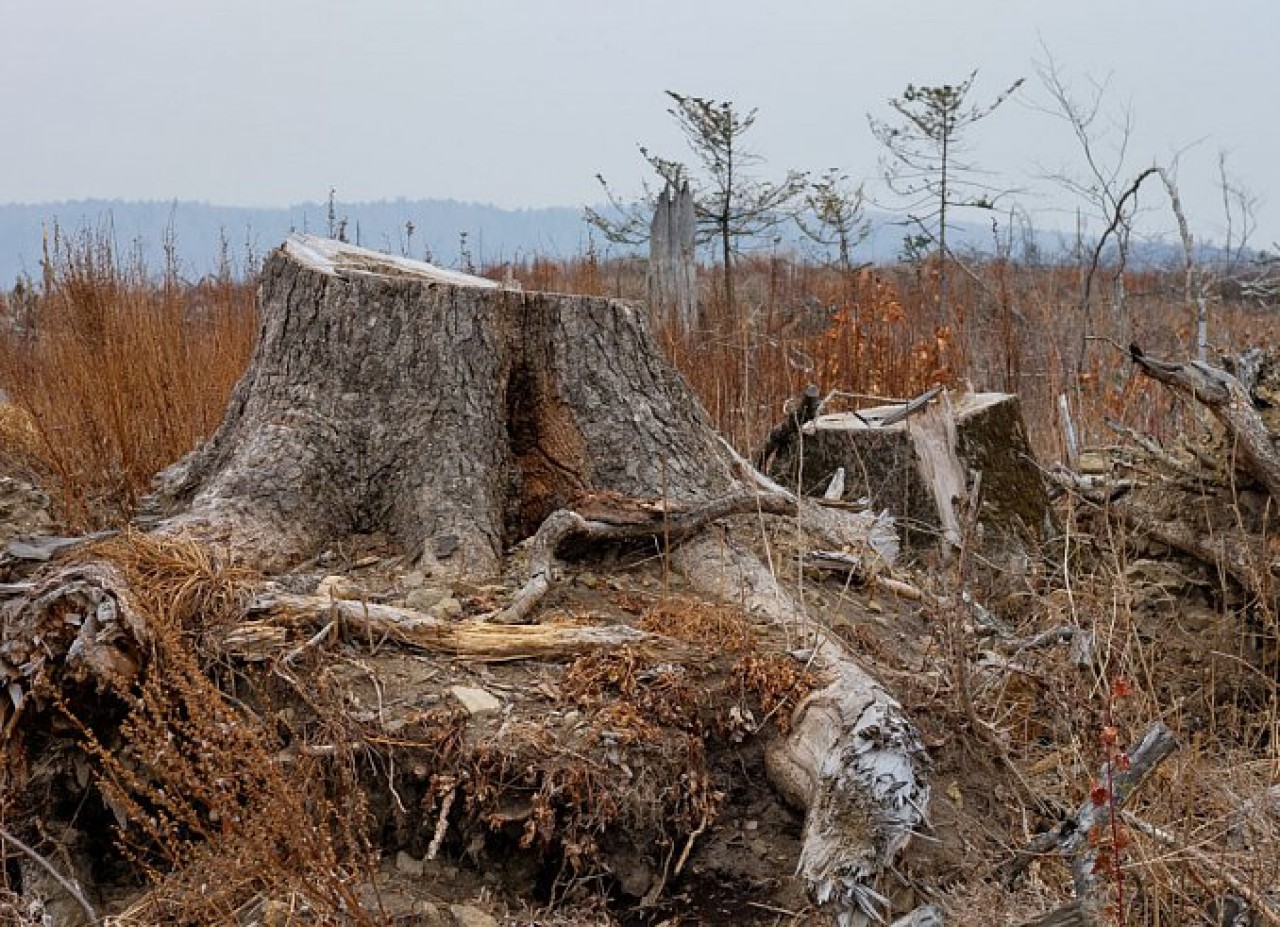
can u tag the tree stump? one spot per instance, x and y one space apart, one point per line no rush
885 461
451 413
673 279
458 417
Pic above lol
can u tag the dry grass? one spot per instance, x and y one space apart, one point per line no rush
206 804
115 374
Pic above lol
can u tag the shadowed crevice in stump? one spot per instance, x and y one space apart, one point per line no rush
448 412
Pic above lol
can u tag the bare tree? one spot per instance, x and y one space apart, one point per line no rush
729 203
1239 208
927 159
1103 139
834 216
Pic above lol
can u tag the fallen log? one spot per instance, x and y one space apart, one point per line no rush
270 618
852 760
1226 397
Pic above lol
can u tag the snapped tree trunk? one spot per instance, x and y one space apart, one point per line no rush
673 281
450 413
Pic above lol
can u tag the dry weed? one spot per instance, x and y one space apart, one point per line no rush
207 802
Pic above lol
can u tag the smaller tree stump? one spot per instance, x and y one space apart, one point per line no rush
883 464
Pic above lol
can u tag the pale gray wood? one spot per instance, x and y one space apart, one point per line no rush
673 282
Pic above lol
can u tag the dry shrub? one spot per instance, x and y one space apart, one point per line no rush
777 683
718 628
118 374
632 695
207 804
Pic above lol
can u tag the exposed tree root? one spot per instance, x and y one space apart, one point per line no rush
852 759
564 526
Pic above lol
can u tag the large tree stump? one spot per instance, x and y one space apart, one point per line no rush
458 417
451 413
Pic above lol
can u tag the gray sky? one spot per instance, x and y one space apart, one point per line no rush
521 102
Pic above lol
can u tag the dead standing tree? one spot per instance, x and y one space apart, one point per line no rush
459 417
673 280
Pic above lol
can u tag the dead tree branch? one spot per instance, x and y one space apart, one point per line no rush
1229 401
564 525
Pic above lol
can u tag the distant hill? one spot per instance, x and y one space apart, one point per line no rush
492 235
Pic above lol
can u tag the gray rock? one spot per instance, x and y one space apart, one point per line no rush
477 702
425 597
447 608
464 915
24 509
408 865
338 587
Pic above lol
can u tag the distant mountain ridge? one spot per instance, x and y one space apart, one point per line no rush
440 231
199 229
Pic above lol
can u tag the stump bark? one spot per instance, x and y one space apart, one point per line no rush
451 413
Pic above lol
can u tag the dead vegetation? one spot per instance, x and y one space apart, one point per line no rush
264 756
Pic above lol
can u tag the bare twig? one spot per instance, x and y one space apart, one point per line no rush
68 885
1207 868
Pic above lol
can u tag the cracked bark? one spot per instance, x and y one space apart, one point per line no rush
452 414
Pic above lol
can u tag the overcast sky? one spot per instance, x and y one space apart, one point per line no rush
522 102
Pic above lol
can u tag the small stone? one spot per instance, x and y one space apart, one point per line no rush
464 915
588 580
477 702
1196 618
367 561
408 865
444 545
750 825
447 608
425 597
414 579
338 587
1093 463
275 913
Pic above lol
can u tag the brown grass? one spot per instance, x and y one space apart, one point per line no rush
114 374
207 807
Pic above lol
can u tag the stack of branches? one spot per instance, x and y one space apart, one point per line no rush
1212 497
